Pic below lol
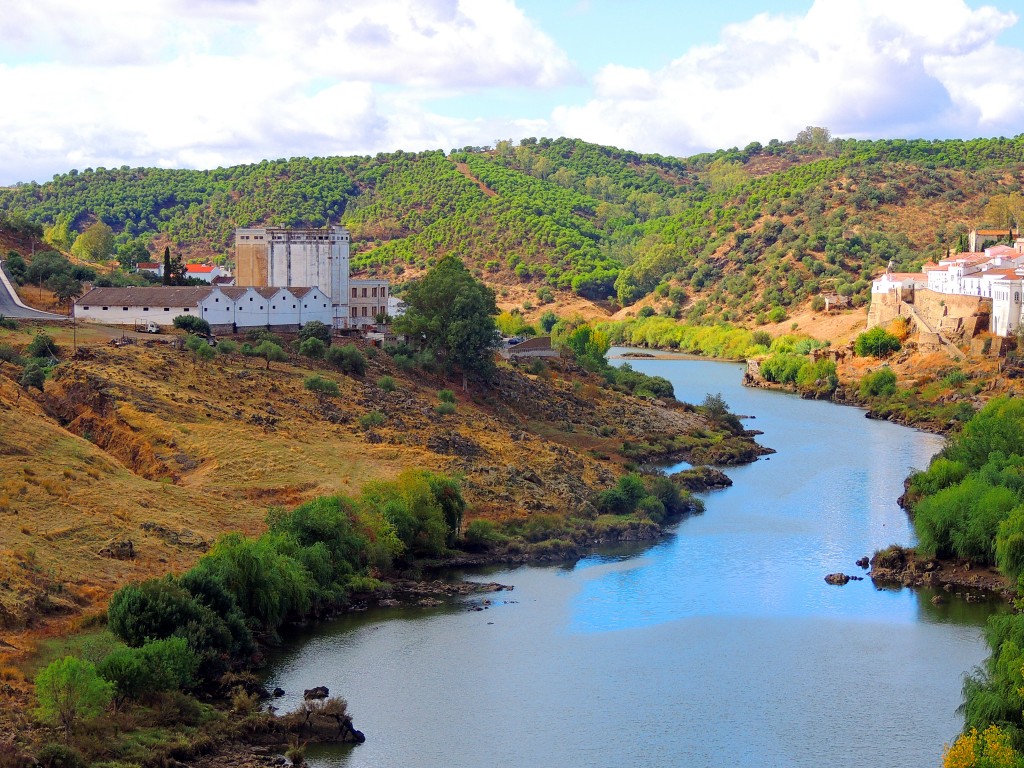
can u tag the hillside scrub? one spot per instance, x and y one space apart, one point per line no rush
733 234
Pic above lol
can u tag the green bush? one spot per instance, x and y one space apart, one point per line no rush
315 329
320 384
192 324
69 690
877 342
312 347
371 419
56 755
227 347
347 359
33 376
445 409
481 535
42 345
446 396
9 355
880 383
157 666
387 383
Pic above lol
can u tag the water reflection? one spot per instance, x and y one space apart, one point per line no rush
720 646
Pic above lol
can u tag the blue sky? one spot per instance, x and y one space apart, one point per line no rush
203 83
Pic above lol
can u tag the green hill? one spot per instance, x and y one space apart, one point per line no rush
734 235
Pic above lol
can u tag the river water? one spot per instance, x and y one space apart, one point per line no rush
720 646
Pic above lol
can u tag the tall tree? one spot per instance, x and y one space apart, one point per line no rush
451 313
95 244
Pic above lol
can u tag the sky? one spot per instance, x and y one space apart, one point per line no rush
208 83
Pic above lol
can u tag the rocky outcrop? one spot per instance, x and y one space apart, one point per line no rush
897 565
699 479
837 579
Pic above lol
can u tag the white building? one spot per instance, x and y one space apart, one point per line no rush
285 258
227 309
205 272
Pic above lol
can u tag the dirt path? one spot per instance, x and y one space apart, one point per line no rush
464 170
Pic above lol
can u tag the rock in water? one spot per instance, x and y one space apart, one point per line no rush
837 578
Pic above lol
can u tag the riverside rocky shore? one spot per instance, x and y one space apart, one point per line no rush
901 566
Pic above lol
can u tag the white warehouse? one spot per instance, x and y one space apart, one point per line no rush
226 309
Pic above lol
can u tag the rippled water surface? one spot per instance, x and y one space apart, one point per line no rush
719 646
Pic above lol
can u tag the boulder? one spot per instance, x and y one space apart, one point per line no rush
320 692
864 562
278 693
838 579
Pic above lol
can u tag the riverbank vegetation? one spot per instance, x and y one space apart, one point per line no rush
969 505
170 676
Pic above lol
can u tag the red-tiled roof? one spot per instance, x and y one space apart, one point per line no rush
148 265
202 268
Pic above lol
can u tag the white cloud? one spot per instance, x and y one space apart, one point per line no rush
204 82
878 68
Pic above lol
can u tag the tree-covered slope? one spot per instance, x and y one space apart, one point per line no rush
736 235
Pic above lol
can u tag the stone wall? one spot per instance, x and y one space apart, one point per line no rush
934 307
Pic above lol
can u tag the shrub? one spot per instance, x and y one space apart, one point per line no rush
371 419
33 376
481 535
69 690
8 323
42 345
387 383
348 359
315 329
880 383
204 352
192 324
445 409
56 755
877 342
817 304
446 396
157 666
313 347
320 384
227 347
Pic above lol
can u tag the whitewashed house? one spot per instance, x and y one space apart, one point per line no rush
205 272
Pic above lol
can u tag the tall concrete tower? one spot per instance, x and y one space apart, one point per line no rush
287 258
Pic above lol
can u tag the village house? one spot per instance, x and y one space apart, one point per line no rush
152 267
963 291
205 272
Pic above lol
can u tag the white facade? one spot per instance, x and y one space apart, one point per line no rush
231 307
1006 306
205 272
285 258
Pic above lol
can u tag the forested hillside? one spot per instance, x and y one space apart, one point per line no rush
740 235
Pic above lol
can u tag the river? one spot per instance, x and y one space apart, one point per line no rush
720 646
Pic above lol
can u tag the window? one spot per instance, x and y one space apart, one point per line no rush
355 312
125 308
272 306
355 293
216 301
293 306
250 298
364 292
384 292
305 306
364 311
145 309
374 293
186 309
104 309
167 309
84 307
